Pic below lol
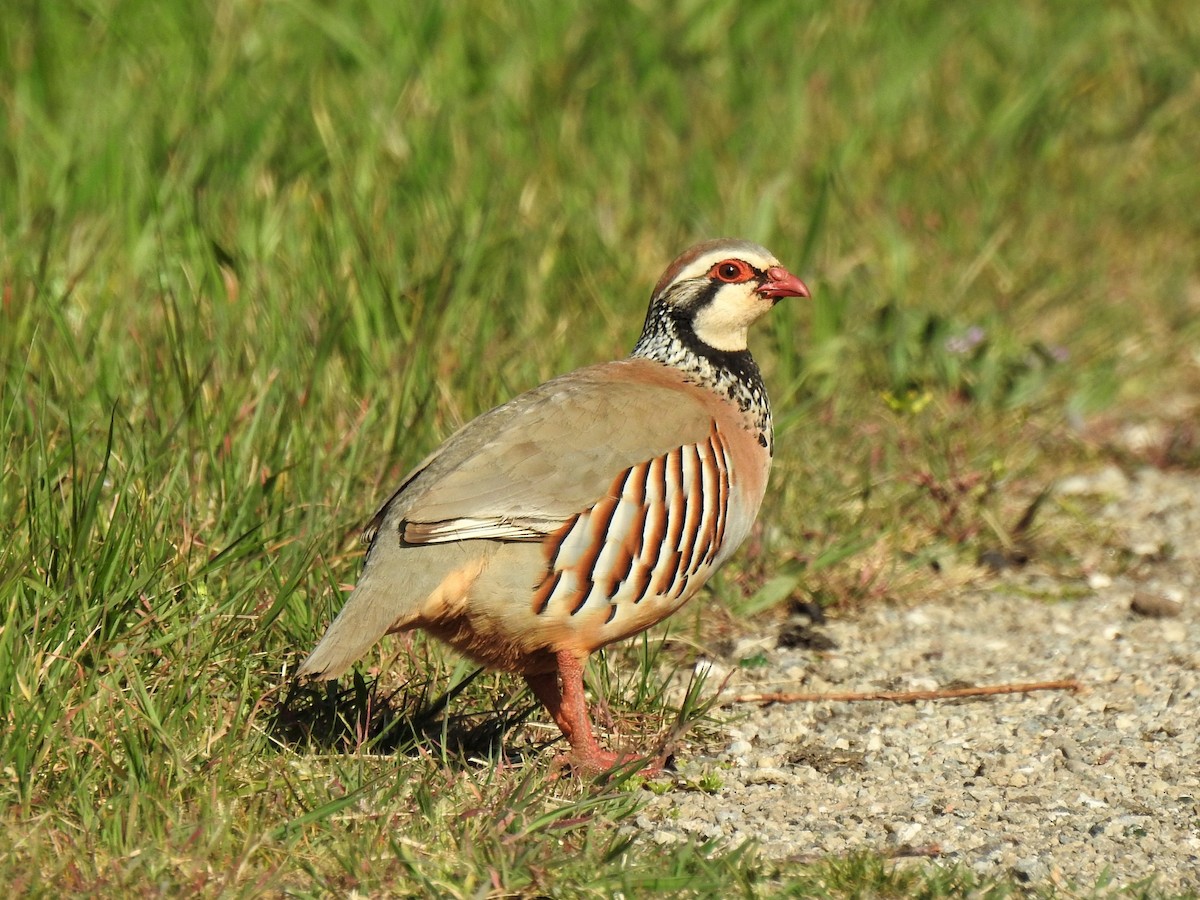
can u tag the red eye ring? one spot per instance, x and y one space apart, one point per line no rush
732 271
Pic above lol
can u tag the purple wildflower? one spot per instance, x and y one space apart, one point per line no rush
966 342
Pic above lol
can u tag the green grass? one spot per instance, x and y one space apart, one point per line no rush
258 258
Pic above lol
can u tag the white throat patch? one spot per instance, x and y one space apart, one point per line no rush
724 322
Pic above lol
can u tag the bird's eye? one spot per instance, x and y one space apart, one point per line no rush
733 271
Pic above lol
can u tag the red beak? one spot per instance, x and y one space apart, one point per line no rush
782 283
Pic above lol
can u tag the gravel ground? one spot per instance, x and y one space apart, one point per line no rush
1049 788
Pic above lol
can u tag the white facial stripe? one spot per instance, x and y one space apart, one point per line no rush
700 266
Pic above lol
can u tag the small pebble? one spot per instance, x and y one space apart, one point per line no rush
1154 605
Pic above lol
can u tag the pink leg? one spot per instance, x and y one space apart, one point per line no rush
568 706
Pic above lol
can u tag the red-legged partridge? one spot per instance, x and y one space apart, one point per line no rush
588 509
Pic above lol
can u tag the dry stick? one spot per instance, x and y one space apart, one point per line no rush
910 696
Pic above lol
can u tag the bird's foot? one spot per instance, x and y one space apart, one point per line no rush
604 764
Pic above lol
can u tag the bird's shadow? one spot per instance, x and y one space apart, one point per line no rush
363 716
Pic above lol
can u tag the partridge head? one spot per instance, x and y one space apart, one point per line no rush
587 509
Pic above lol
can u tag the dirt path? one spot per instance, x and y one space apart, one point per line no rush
1046 787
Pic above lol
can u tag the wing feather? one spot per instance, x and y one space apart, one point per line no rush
518 472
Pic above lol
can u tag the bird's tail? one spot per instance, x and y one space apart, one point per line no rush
394 595
368 615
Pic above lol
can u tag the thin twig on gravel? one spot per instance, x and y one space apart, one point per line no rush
1069 684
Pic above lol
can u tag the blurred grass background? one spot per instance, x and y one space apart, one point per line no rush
258 257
